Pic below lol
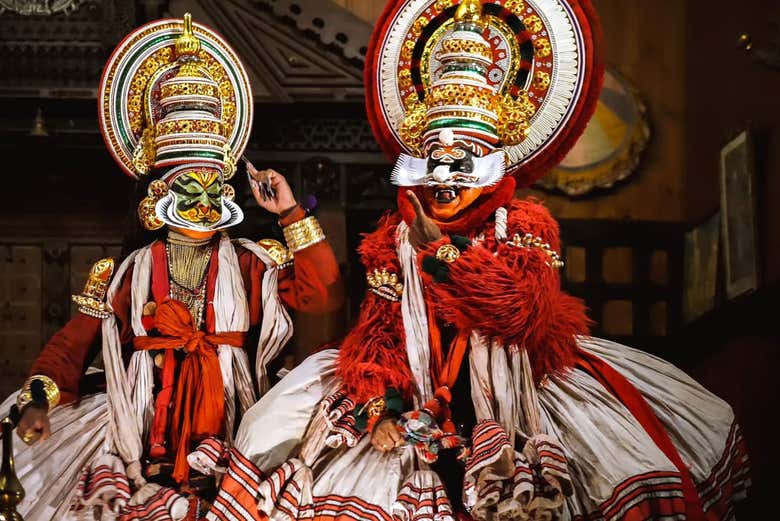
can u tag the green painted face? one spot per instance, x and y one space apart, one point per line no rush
198 196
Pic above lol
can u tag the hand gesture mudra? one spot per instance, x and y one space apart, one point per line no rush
34 425
281 197
385 436
423 230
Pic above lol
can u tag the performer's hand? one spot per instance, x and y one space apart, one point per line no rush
385 436
283 198
34 425
423 229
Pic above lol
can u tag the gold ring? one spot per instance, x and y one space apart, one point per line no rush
27 436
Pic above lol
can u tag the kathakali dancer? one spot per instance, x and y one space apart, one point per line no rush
469 385
187 324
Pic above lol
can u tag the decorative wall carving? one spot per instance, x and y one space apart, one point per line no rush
39 7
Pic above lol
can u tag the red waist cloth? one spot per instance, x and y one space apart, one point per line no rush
199 407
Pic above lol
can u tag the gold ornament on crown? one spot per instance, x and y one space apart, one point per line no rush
143 154
541 80
514 118
414 122
441 5
146 208
542 47
469 11
533 23
467 47
229 170
516 6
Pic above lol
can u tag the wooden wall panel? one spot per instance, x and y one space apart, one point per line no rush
20 311
647 45
728 91
368 10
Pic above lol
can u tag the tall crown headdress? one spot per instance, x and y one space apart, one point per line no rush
173 93
522 76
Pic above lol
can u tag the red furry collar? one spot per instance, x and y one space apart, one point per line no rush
473 217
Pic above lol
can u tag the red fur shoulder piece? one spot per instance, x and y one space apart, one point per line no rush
377 249
514 295
531 216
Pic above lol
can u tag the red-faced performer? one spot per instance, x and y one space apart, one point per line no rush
469 385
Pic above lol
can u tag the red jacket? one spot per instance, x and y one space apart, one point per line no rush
312 284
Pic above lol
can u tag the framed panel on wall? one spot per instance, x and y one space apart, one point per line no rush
738 215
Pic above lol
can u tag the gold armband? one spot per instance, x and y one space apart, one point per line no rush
92 300
50 390
385 284
302 234
276 250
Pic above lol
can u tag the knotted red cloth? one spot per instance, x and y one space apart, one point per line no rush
199 408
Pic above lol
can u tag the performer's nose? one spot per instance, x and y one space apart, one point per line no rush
441 174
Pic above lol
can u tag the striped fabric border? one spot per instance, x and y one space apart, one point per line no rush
728 481
489 443
237 498
103 483
157 508
422 504
553 466
341 508
209 457
652 495
338 411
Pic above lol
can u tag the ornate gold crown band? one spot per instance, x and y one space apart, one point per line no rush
302 234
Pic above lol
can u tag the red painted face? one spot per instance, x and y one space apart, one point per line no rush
447 203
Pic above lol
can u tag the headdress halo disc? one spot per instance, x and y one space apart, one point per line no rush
139 59
548 49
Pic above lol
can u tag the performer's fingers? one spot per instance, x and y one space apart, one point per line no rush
45 430
275 178
418 209
256 190
28 434
379 441
393 434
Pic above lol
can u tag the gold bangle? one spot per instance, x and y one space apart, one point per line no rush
49 388
302 234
